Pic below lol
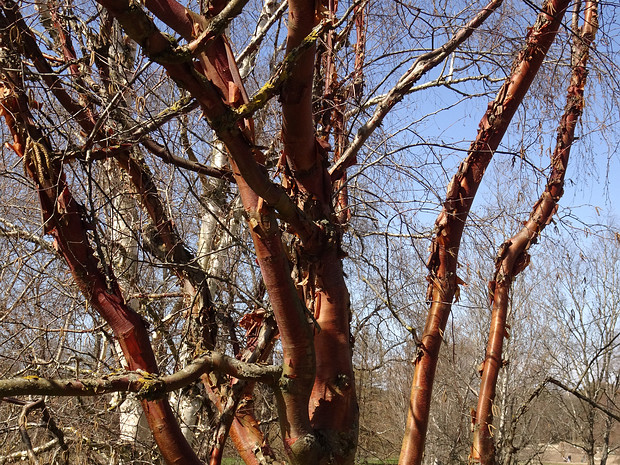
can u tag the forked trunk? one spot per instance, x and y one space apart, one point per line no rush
513 255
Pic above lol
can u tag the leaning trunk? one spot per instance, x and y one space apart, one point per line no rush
442 265
513 255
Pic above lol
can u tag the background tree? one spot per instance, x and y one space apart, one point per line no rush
584 309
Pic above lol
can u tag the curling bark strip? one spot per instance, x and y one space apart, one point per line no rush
513 255
333 403
252 181
442 264
165 242
63 220
220 68
242 426
219 114
295 334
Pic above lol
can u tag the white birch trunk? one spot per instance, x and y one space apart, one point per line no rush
123 218
271 11
213 244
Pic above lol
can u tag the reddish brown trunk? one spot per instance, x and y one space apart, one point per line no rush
296 338
449 226
249 440
333 405
252 181
61 215
513 256
288 308
298 132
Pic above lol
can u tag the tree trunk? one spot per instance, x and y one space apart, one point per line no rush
443 281
513 256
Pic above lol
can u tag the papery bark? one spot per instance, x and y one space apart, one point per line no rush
247 158
289 309
297 123
320 277
63 220
132 422
164 233
219 66
513 255
442 264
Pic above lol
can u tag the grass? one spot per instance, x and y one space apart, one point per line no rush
232 461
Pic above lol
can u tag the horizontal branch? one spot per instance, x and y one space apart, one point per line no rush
23 454
162 153
147 385
8 229
586 399
140 129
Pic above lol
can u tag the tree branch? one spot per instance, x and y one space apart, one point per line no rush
147 385
580 396
419 68
140 27
248 54
513 255
8 229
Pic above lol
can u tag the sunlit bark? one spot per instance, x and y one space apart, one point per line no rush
64 221
442 264
513 255
296 207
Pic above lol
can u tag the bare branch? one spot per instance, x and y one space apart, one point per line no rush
8 229
248 54
419 68
580 396
147 385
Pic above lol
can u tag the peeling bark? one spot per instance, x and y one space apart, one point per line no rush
513 256
64 221
442 264
319 276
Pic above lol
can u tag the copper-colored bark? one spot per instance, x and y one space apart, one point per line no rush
333 404
449 226
295 333
252 181
297 122
513 255
64 222
289 310
139 175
